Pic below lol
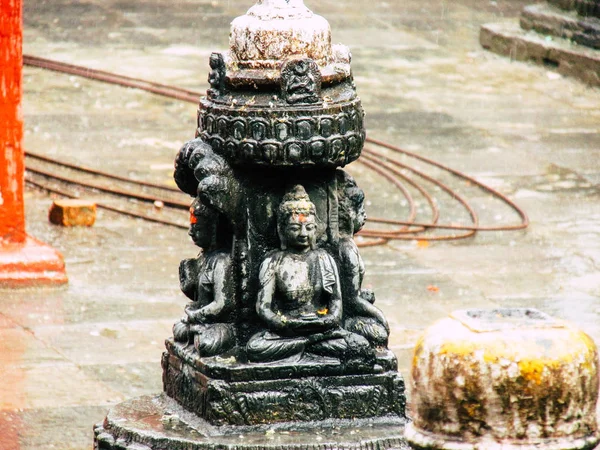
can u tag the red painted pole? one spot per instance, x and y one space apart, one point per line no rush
23 260
12 214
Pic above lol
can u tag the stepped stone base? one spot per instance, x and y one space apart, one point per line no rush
158 423
549 20
558 54
225 391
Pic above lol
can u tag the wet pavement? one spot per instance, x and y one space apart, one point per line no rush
68 354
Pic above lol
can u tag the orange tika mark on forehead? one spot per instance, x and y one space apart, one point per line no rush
193 218
300 218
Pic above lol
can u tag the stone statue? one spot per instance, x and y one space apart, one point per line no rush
300 298
204 281
360 315
279 329
216 77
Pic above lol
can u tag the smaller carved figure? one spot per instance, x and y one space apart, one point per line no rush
300 300
216 77
205 281
301 81
360 315
184 173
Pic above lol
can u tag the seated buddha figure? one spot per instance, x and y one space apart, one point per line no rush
300 299
361 316
204 281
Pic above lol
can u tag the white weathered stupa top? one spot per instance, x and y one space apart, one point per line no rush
275 30
280 9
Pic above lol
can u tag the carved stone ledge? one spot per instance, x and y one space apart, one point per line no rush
229 368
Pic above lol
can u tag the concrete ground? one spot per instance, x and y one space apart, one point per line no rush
68 354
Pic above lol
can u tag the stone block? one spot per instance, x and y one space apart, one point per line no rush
504 379
73 213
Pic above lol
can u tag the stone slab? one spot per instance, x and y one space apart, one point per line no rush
152 423
558 54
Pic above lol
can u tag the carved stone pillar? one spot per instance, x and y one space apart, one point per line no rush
279 333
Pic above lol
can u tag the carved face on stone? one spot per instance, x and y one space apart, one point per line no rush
300 231
352 202
297 221
359 217
203 225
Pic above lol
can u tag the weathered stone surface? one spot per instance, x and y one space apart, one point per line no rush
506 378
274 30
72 213
568 25
559 54
153 423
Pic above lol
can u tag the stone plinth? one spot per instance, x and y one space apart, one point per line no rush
561 55
149 423
31 263
225 391
504 379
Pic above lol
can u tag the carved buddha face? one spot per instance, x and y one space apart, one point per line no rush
300 231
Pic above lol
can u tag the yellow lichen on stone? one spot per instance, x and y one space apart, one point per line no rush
459 348
533 370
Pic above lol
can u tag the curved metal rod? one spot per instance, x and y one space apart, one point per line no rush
100 172
522 214
126 212
371 157
119 192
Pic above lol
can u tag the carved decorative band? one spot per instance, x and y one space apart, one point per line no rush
334 151
322 140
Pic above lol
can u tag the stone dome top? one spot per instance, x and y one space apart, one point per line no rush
275 30
280 9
